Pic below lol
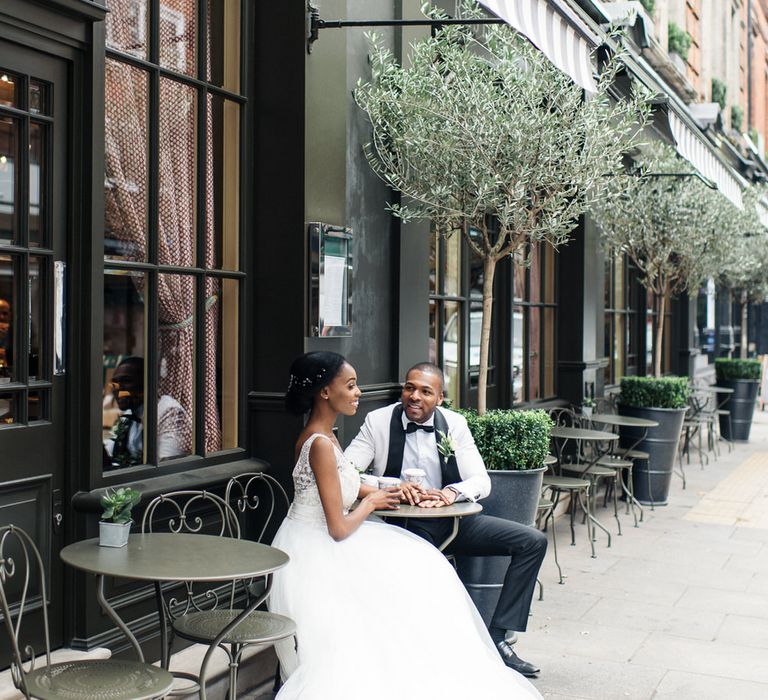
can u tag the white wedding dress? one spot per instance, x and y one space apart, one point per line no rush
379 615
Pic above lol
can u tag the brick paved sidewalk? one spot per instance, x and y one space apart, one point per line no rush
677 608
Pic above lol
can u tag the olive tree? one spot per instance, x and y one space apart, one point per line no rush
743 267
671 225
481 135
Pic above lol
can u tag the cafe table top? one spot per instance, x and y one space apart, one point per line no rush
455 510
627 421
162 556
567 433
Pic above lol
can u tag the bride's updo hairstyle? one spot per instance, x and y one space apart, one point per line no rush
309 374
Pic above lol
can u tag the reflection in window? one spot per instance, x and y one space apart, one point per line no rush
451 347
36 303
9 89
124 376
8 315
38 174
8 409
9 187
127 26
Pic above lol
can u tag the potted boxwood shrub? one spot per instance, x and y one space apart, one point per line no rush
743 376
513 445
664 400
115 523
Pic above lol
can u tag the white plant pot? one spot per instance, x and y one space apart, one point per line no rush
587 411
114 534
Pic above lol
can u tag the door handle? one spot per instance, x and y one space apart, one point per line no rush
57 510
59 317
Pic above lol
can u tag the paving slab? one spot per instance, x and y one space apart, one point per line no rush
676 608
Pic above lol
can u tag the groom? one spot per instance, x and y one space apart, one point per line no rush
404 435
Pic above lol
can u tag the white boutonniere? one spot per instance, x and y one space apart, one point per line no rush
446 446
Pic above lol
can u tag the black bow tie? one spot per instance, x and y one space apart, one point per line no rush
413 427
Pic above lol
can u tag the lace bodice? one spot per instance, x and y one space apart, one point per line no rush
306 504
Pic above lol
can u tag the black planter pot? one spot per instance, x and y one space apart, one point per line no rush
652 477
514 496
741 404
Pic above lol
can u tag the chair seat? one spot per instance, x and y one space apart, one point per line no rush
106 679
565 482
594 470
636 454
258 627
615 462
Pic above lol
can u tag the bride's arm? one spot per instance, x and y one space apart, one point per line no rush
322 459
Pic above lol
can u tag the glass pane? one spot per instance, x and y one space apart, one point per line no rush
222 185
221 364
518 364
608 287
223 65
38 97
178 167
534 288
549 274
38 184
36 304
452 270
519 275
433 261
126 26
8 317
124 373
178 36
549 353
533 333
125 162
433 331
476 276
176 360
667 340
9 90
608 348
649 323
451 349
618 283
475 335
9 184
8 408
619 346
37 405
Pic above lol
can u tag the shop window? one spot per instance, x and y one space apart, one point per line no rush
172 282
621 302
534 320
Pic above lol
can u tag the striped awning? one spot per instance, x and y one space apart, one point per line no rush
552 34
692 147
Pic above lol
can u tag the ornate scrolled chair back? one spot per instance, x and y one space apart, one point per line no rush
20 561
256 492
192 512
565 417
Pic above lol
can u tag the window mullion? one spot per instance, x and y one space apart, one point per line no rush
151 368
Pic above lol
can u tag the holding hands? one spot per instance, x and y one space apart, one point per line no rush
417 495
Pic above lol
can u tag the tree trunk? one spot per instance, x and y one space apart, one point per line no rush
489 269
662 303
744 322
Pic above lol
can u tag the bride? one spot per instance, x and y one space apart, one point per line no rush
380 613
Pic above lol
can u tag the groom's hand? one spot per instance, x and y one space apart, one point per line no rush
411 493
437 498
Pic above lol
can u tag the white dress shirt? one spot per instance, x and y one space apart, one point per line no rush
420 451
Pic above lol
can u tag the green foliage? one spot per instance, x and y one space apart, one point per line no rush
737 117
719 91
588 402
117 504
511 440
649 6
655 392
726 368
678 41
753 135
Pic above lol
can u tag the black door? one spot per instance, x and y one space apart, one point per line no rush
34 216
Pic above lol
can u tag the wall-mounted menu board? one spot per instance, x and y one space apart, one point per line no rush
329 302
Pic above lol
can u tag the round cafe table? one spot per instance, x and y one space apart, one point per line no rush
166 556
455 511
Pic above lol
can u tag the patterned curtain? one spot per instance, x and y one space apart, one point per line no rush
126 94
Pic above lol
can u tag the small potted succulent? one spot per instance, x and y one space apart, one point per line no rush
743 377
115 523
587 406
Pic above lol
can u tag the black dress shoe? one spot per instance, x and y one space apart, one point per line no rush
515 662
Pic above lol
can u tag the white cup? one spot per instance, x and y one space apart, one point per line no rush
388 482
414 475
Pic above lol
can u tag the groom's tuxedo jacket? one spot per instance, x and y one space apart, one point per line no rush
373 444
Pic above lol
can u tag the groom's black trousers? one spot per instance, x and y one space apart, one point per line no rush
485 535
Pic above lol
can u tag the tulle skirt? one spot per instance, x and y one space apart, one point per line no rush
379 615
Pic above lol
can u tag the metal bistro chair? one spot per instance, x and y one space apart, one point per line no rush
22 574
199 617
